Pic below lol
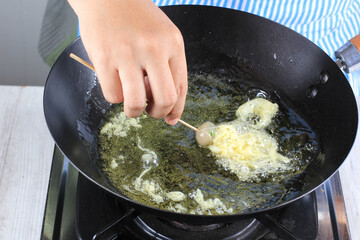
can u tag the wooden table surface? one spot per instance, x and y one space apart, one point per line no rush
26 149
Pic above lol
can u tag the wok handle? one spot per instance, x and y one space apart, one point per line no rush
356 42
348 56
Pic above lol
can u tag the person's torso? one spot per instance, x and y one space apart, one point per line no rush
327 23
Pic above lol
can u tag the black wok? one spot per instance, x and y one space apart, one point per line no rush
74 105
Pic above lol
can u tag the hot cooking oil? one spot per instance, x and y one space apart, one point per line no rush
164 167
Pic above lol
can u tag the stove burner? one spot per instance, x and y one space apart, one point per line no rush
117 219
146 226
196 228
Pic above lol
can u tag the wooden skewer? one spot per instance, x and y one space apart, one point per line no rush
82 61
88 65
188 125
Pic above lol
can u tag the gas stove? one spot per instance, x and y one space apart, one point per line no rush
78 209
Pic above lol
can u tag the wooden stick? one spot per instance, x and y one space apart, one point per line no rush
188 125
88 65
83 62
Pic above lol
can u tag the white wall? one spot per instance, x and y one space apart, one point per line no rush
20 24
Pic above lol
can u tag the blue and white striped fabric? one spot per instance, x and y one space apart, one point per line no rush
328 23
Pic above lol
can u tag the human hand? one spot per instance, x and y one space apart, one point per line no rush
138 54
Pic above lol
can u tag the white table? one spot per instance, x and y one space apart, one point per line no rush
26 149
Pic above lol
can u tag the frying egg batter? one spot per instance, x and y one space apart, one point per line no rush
244 148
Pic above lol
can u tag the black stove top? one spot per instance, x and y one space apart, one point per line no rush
78 209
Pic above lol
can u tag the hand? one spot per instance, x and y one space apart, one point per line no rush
138 54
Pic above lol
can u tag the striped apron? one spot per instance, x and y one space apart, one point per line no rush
327 23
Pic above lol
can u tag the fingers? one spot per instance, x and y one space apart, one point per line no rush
163 90
134 90
168 78
149 97
179 74
164 87
110 83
